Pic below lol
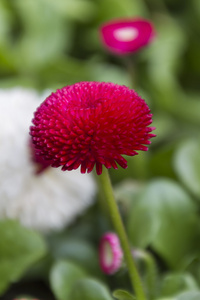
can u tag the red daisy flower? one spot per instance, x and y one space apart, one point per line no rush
126 36
91 123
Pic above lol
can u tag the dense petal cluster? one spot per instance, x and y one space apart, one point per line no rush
91 123
110 253
125 36
50 200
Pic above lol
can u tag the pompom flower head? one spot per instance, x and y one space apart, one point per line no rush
91 123
125 36
110 253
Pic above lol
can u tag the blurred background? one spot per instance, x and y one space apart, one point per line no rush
47 44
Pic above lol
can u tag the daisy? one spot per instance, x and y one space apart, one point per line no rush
91 124
45 201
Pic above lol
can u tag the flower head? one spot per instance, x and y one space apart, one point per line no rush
126 36
48 201
91 123
110 253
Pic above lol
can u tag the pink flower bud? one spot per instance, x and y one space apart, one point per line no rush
110 253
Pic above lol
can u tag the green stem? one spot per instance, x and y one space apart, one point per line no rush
150 277
136 282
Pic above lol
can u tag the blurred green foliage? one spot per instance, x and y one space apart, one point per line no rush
49 44
63 276
20 248
123 295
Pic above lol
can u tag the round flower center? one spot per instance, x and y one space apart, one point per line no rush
126 34
108 254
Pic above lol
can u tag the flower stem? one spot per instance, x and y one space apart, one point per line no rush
151 275
106 186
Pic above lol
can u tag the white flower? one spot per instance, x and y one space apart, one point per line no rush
46 201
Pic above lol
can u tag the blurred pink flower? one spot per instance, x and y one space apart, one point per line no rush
125 36
110 253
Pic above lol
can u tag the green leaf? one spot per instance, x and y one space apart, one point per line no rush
189 296
164 217
19 249
89 289
77 250
123 295
187 165
173 284
63 276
